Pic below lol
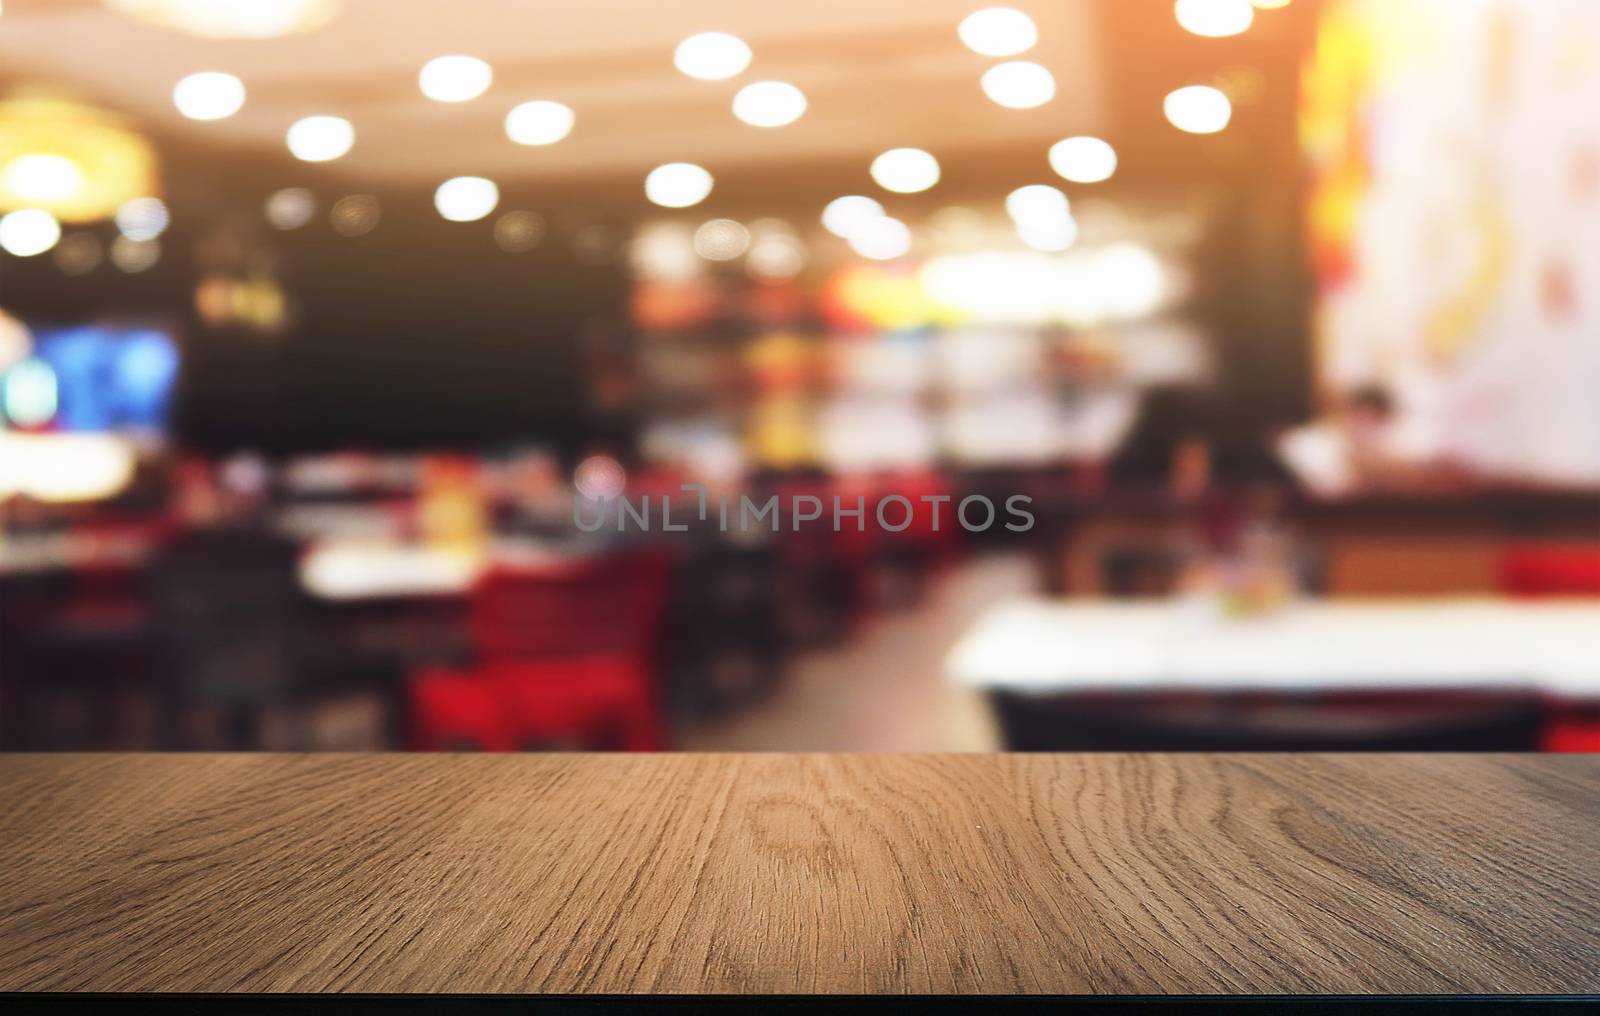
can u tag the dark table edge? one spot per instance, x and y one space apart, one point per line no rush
358 1004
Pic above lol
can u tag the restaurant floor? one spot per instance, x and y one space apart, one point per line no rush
884 689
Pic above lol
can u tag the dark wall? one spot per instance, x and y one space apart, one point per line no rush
419 334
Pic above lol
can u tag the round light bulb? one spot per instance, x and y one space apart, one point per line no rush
208 95
142 218
1083 159
43 178
1037 201
454 78
905 170
721 240
1019 84
844 215
1198 109
1214 19
29 231
466 198
677 185
769 104
540 122
290 208
711 56
320 138
998 31
881 239
1048 233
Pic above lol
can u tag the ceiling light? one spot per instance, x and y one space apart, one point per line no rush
721 240
232 19
769 104
29 231
881 239
76 162
540 122
998 31
905 170
454 78
1019 84
466 198
843 215
356 215
712 56
78 254
320 138
518 232
290 208
1214 18
1198 109
142 218
1048 233
1083 159
775 256
208 95
665 251
39 178
1037 201
677 185
135 256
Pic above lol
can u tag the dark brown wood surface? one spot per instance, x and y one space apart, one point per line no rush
800 873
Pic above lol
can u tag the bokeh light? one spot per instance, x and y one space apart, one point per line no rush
31 393
208 95
355 215
1083 159
135 256
540 122
905 170
290 208
1214 18
1198 109
882 239
775 256
677 185
320 138
78 253
454 78
518 232
1037 201
998 31
466 198
721 240
843 215
1019 84
769 104
28 231
712 56
142 218
44 178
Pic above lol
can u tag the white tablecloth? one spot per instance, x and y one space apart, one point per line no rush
1057 646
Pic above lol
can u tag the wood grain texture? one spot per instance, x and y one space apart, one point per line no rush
800 873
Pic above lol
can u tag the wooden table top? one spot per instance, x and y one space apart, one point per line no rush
1124 874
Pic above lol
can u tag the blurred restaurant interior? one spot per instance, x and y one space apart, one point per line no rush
326 326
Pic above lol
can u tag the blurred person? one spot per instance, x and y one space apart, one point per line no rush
1362 446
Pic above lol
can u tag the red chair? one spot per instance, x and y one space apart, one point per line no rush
1550 570
1545 570
565 659
451 711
